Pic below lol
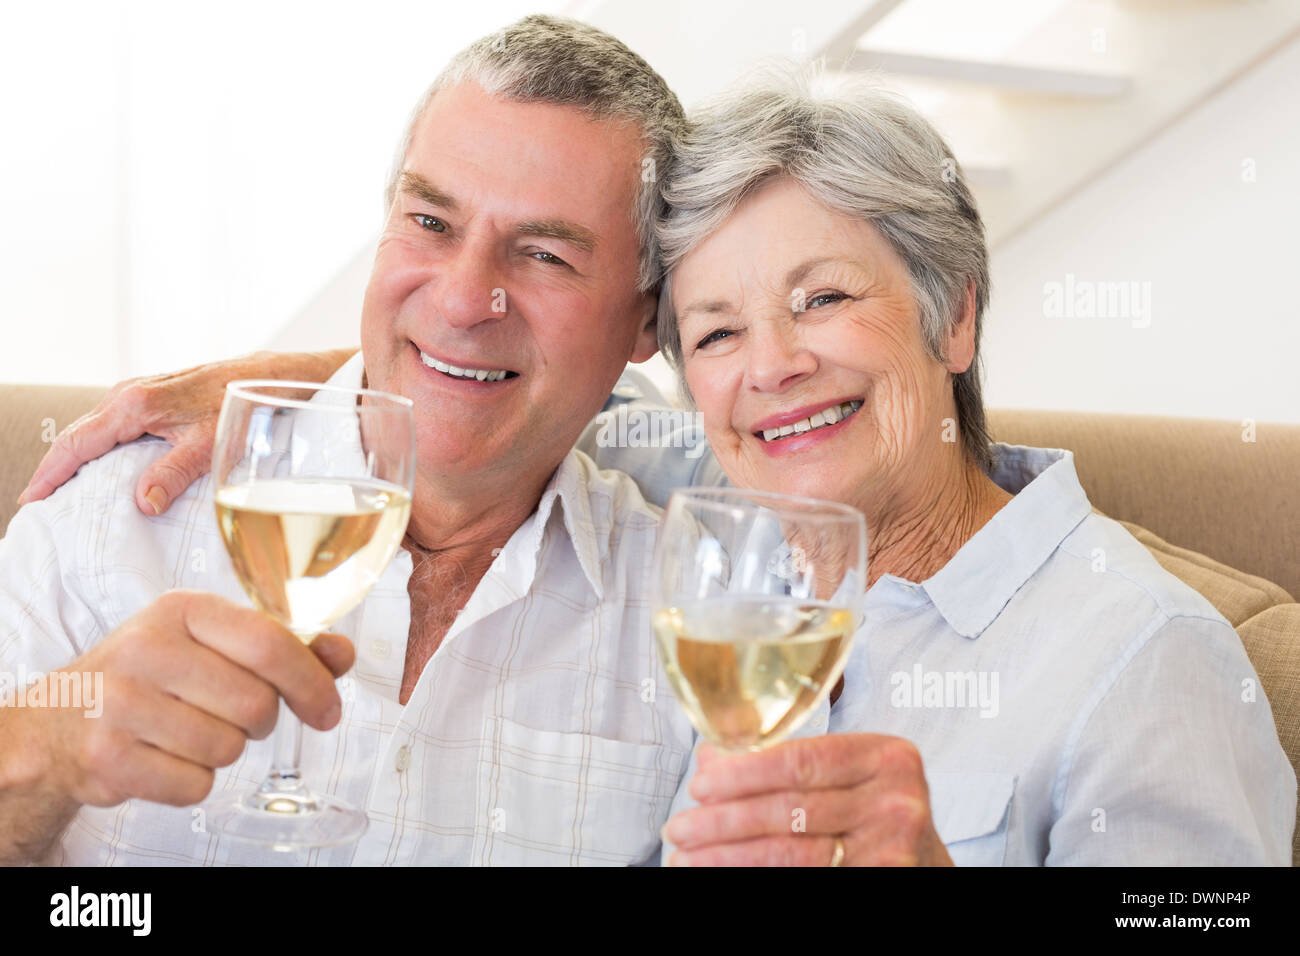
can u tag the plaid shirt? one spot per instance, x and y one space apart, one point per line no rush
542 730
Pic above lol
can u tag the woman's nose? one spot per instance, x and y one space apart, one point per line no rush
470 285
777 357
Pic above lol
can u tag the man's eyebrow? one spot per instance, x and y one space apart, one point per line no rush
575 235
413 184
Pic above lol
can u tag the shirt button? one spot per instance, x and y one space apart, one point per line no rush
819 721
380 649
403 758
627 391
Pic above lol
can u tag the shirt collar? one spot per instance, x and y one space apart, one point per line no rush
976 584
568 486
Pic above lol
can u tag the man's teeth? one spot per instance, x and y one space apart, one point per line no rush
483 375
827 416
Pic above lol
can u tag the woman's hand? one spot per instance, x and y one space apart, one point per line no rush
787 806
181 407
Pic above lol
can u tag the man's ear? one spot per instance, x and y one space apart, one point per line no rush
647 337
960 351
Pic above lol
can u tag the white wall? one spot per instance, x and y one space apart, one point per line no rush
182 182
1221 254
178 180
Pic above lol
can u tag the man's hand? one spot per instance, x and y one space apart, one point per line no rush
787 805
186 683
181 407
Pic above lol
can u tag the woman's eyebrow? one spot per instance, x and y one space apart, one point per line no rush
802 270
792 279
707 307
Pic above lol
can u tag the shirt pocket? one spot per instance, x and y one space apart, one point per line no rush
569 799
971 811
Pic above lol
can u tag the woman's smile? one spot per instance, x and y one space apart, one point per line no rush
795 431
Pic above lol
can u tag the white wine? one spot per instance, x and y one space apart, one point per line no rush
307 550
749 671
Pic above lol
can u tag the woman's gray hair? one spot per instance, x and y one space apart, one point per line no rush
545 59
861 151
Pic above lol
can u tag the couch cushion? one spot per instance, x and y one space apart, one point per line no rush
1224 488
1272 639
1235 594
30 415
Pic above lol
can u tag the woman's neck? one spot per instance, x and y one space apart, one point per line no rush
916 537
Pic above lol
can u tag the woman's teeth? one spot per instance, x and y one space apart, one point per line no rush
483 375
827 416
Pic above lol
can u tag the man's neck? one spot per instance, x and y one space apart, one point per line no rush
453 538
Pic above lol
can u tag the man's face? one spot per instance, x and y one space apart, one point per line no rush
510 248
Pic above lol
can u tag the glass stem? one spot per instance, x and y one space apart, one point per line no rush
285 776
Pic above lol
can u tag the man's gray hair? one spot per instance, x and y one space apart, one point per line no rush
861 151
545 59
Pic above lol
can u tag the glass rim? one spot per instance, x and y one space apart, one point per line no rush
243 388
715 497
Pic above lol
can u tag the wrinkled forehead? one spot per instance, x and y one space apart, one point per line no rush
556 154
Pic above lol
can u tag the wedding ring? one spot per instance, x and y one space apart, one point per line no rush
837 857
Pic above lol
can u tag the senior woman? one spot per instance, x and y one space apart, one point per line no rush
1030 686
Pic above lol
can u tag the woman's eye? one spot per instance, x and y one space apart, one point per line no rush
430 223
716 336
825 298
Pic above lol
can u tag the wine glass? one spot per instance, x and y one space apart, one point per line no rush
756 599
314 487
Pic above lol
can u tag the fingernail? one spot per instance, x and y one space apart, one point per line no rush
157 499
334 713
22 499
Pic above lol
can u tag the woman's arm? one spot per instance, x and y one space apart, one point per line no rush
1178 763
181 407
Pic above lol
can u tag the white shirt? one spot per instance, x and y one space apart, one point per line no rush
541 731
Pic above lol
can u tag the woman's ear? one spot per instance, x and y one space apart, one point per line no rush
960 351
647 337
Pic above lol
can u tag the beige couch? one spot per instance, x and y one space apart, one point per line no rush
1218 511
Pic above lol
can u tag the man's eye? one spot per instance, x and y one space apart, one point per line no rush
431 223
825 298
547 257
715 336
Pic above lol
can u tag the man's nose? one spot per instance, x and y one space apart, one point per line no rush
470 285
777 357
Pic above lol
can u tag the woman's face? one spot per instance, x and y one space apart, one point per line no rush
797 319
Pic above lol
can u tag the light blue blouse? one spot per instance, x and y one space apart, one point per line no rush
1073 702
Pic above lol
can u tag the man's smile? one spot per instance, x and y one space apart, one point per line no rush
463 371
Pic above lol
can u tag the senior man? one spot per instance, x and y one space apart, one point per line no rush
506 704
